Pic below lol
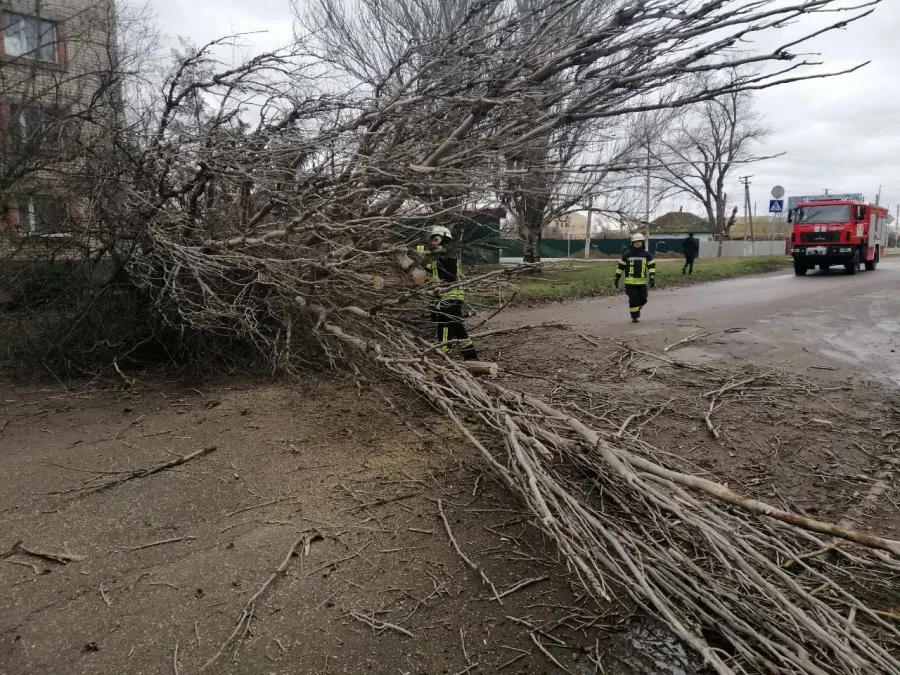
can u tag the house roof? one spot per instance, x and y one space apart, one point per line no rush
763 226
680 221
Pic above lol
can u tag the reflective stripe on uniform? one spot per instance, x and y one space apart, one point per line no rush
637 269
432 268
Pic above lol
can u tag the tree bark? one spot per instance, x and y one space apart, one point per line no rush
531 226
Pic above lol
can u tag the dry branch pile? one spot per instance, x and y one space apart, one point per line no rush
294 236
736 584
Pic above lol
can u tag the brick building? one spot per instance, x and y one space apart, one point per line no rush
54 74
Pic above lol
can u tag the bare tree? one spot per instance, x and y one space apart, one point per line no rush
373 42
698 153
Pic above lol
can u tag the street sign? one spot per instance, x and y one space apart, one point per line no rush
778 192
776 206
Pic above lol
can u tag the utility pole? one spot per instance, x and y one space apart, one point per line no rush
587 235
748 213
826 192
878 196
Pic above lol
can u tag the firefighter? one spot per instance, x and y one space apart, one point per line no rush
639 269
444 266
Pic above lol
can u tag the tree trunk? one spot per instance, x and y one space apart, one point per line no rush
531 226
714 224
720 224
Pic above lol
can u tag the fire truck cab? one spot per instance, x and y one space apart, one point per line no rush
835 232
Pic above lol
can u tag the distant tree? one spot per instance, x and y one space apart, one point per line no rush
699 151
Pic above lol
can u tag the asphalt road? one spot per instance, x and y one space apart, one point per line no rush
822 320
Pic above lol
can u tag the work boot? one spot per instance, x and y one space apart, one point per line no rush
635 319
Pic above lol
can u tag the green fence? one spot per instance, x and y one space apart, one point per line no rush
563 248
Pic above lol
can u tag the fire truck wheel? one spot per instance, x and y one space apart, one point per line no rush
853 266
872 264
800 269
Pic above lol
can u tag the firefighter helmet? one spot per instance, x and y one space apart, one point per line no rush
440 231
637 236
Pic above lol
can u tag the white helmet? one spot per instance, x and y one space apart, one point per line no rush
440 231
637 236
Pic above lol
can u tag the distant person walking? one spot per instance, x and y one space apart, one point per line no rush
639 270
691 249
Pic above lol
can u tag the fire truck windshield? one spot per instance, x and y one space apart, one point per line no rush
831 213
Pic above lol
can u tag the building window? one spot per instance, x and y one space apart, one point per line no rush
29 37
42 214
34 129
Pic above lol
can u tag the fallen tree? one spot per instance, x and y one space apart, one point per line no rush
294 238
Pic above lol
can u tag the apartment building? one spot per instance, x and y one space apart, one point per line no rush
572 225
54 64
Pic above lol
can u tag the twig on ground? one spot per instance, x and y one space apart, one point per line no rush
472 566
625 424
467 669
513 660
549 656
381 502
157 543
651 355
147 471
690 338
335 563
24 564
64 558
247 610
276 500
379 625
523 584
462 643
104 596
701 335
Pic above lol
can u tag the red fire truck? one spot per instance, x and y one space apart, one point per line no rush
834 232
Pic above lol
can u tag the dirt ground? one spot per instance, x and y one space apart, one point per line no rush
165 568
171 559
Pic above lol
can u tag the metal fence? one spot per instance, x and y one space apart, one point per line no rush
563 248
743 249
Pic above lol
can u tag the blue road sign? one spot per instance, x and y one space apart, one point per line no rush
776 206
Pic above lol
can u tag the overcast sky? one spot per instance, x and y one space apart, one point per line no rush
842 134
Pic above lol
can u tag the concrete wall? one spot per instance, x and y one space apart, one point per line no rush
742 249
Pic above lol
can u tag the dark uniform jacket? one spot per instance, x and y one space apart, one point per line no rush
638 267
445 266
